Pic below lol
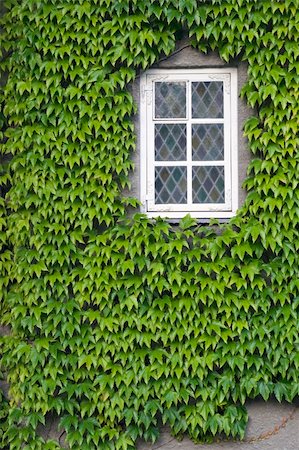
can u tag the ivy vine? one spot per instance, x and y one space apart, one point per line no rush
119 325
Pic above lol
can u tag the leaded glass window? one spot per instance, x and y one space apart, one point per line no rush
188 139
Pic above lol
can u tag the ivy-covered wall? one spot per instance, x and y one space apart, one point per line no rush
120 325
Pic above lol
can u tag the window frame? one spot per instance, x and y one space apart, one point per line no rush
147 137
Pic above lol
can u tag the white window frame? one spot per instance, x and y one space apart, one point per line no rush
147 154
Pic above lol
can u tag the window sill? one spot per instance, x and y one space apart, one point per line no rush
201 216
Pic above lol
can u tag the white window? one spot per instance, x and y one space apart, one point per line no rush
189 143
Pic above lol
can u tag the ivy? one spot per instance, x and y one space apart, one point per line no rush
118 324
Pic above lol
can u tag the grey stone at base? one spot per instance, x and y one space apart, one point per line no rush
272 426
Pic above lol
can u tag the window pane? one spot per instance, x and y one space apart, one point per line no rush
170 100
171 185
207 99
208 184
170 142
207 142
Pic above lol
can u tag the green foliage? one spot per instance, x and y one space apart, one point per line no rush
121 325
3 422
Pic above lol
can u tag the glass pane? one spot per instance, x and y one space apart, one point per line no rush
207 99
170 100
170 142
171 185
208 184
207 142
